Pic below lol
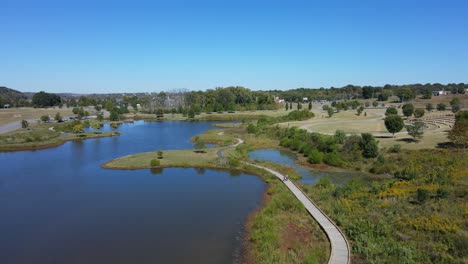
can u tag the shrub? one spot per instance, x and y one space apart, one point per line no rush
315 157
418 113
422 195
333 159
441 107
155 163
396 148
369 146
78 129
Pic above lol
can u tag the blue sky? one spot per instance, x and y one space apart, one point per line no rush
131 46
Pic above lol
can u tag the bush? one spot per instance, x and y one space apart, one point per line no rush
395 148
369 146
391 111
155 163
422 195
418 113
333 159
315 157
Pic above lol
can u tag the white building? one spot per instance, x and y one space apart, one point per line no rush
440 93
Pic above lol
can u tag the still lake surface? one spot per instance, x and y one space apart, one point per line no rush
289 158
59 206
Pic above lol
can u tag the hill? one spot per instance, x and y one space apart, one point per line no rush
10 96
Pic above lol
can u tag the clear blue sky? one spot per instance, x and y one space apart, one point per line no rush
129 46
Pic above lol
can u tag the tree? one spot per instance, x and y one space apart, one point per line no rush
427 94
290 105
416 130
330 111
24 123
418 113
391 111
441 107
455 104
408 110
459 133
114 115
299 106
287 106
199 145
394 124
99 117
369 146
359 110
58 117
191 113
405 94
160 154
429 107
375 104
310 105
45 118
96 127
340 136
43 99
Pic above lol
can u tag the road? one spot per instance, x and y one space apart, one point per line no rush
13 126
340 252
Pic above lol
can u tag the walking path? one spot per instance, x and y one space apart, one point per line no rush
12 126
339 244
340 252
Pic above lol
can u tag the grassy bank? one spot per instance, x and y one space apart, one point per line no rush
40 136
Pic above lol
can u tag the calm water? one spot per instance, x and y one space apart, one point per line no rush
58 206
288 158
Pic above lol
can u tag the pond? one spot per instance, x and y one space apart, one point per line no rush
289 158
59 206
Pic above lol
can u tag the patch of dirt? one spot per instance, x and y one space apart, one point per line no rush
294 236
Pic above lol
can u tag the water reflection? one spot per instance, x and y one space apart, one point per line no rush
288 158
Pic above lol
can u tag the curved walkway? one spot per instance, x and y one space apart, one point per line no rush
340 252
339 245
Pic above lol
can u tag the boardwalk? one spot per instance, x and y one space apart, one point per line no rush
339 244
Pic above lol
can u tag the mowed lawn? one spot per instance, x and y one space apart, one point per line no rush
171 158
373 123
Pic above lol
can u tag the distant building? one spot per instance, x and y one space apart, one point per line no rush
305 99
440 93
6 106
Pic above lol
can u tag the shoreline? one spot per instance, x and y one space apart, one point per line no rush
58 143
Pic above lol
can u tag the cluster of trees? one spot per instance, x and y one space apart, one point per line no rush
43 99
228 99
380 93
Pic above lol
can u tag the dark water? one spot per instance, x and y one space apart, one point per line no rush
288 158
58 206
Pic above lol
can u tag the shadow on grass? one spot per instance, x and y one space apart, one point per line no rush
446 145
406 140
383 136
